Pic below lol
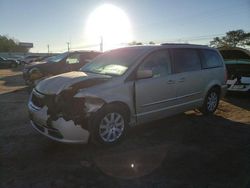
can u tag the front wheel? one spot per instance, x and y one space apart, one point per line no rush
13 65
211 102
109 125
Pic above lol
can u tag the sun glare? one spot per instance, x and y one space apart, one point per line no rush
109 23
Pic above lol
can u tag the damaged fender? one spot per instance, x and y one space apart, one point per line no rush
92 103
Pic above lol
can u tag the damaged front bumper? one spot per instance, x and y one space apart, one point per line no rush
58 130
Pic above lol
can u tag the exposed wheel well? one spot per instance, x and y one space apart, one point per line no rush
216 87
122 106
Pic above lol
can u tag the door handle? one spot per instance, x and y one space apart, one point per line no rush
182 79
171 82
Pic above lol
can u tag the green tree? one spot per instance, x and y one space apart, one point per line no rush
11 45
232 39
134 43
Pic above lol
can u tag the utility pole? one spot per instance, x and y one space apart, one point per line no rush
68 43
48 48
101 44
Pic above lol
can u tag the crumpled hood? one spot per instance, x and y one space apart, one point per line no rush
56 84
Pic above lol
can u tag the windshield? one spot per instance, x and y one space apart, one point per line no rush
114 63
57 58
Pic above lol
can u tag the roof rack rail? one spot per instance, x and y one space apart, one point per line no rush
183 44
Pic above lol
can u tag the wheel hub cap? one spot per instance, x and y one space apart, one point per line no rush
111 127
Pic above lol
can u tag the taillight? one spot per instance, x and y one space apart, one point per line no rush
225 74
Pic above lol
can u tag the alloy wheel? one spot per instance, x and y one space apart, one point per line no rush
212 101
111 127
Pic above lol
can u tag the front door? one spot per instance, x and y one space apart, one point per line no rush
155 95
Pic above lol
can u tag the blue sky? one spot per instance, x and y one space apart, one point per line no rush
57 22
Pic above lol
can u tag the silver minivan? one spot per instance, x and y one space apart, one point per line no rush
126 87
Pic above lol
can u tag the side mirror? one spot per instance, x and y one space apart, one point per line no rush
143 74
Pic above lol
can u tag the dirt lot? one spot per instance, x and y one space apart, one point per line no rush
184 151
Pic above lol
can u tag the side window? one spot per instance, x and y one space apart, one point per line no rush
211 59
158 63
185 60
73 58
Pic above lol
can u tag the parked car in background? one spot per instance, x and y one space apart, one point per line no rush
127 87
30 58
237 61
16 58
66 62
8 63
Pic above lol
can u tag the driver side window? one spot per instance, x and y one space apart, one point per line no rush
73 59
158 63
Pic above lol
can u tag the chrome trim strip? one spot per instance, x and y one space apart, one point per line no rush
175 98
169 107
38 94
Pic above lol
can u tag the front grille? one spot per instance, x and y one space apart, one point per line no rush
39 127
51 131
55 134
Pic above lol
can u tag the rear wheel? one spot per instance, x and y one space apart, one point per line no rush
211 101
35 75
109 125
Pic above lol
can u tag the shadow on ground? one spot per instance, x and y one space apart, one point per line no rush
186 150
237 98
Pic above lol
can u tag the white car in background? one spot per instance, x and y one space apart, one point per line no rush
237 61
30 58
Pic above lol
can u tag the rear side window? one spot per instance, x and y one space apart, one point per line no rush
211 59
185 60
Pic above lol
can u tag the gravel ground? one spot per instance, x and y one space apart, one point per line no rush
185 151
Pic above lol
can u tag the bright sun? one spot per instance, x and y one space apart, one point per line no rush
109 23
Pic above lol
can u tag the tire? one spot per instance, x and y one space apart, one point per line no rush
211 102
35 74
108 126
13 65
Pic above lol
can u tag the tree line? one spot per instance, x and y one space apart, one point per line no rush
235 38
11 45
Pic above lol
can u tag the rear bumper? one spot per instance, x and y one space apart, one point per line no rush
223 91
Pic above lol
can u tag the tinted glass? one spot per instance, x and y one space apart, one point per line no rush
211 59
185 60
158 63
